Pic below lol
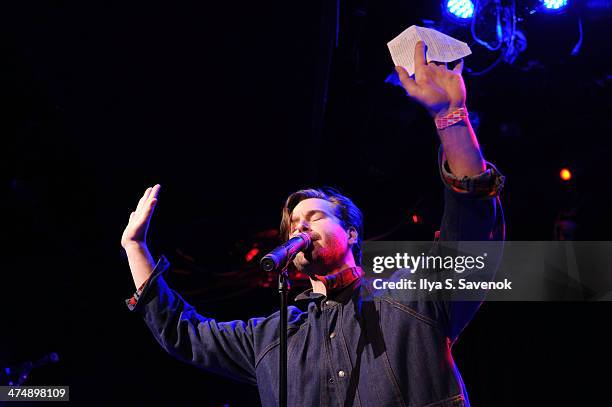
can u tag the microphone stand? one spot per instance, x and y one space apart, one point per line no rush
279 260
283 290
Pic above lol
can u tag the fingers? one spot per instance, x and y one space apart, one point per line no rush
407 82
148 208
155 191
441 66
149 194
151 201
459 67
419 54
143 199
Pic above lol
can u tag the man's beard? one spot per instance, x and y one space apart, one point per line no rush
305 263
318 260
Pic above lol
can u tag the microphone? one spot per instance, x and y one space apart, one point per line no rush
280 257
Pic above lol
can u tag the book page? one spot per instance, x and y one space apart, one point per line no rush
440 47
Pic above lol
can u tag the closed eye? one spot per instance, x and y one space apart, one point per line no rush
312 216
318 215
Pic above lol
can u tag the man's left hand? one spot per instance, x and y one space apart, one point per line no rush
439 89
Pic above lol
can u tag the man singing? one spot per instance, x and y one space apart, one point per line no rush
342 351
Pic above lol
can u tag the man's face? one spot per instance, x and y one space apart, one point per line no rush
331 244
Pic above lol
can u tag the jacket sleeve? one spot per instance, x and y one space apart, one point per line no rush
225 348
472 212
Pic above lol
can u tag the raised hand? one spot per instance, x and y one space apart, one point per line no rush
439 89
135 232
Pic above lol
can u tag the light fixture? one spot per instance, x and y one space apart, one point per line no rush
554 5
460 9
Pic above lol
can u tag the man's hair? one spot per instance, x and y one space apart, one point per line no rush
345 210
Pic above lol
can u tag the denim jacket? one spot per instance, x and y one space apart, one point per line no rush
342 351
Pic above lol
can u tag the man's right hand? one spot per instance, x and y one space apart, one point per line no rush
135 233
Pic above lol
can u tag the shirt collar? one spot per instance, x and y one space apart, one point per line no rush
351 275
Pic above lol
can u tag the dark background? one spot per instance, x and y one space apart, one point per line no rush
233 106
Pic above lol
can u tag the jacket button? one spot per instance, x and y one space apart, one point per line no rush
341 373
332 335
332 380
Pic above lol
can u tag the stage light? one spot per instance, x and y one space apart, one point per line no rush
554 4
460 9
565 174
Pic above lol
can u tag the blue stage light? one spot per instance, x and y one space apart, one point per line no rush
462 9
554 4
